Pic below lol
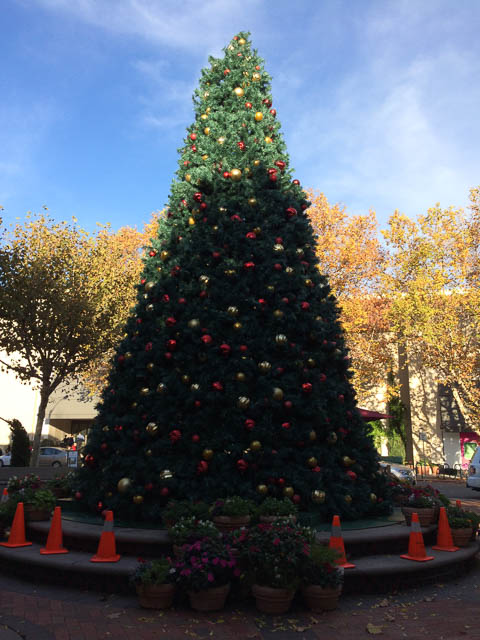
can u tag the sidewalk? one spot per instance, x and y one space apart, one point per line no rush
440 611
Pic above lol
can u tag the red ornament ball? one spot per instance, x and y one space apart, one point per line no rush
152 253
305 306
202 467
175 435
249 424
165 491
195 437
286 425
225 349
197 196
248 105
273 112
104 446
288 404
226 174
171 345
296 182
243 347
78 495
149 486
307 387
218 386
206 339
170 321
281 482
296 498
193 136
242 465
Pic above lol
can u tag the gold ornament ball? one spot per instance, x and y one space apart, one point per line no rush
277 393
207 454
194 387
373 497
232 311
312 462
144 391
185 379
221 139
289 270
243 402
237 326
235 175
134 405
308 282
256 77
194 323
188 177
137 499
148 452
164 255
255 445
106 428
206 131
264 366
281 339
165 474
204 116
239 92
267 139
348 498
150 366
205 156
151 428
124 485
299 251
240 377
149 285
242 41
161 387
288 492
206 94
278 248
311 363
191 222
248 172
109 494
257 230
312 435
252 202
278 314
270 287
256 163
128 355
208 109
347 461
229 272
258 116
318 496
204 280
332 437
262 489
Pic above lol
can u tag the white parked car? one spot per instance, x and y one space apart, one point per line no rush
5 460
473 477
400 471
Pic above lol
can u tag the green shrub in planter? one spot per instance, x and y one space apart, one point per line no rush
177 509
281 507
233 507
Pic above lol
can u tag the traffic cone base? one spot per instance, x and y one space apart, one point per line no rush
55 536
17 531
106 551
444 533
416 546
336 543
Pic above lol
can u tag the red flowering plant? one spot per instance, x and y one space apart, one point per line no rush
275 553
30 481
205 564
319 568
423 497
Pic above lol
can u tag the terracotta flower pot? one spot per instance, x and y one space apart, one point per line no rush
286 519
320 599
209 599
230 523
272 600
155 596
426 516
462 537
33 514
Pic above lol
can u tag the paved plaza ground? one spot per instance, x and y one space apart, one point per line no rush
439 611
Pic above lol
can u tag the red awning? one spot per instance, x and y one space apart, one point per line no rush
368 416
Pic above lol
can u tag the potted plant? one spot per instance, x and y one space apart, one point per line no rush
232 513
272 509
189 530
30 481
38 505
61 485
322 579
463 524
274 553
177 509
205 572
423 501
155 583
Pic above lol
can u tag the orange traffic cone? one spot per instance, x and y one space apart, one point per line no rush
4 495
336 543
416 547
444 534
17 531
55 536
106 551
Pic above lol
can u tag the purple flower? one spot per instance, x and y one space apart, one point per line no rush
210 577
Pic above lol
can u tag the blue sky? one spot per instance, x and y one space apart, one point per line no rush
378 100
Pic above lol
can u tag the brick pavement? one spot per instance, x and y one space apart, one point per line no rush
440 612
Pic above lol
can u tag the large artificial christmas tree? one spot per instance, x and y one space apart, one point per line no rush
233 377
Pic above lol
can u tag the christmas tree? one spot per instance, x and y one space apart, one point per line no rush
233 377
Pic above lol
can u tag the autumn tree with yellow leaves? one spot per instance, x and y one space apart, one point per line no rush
64 297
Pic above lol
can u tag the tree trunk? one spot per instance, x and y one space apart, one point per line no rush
44 395
404 378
